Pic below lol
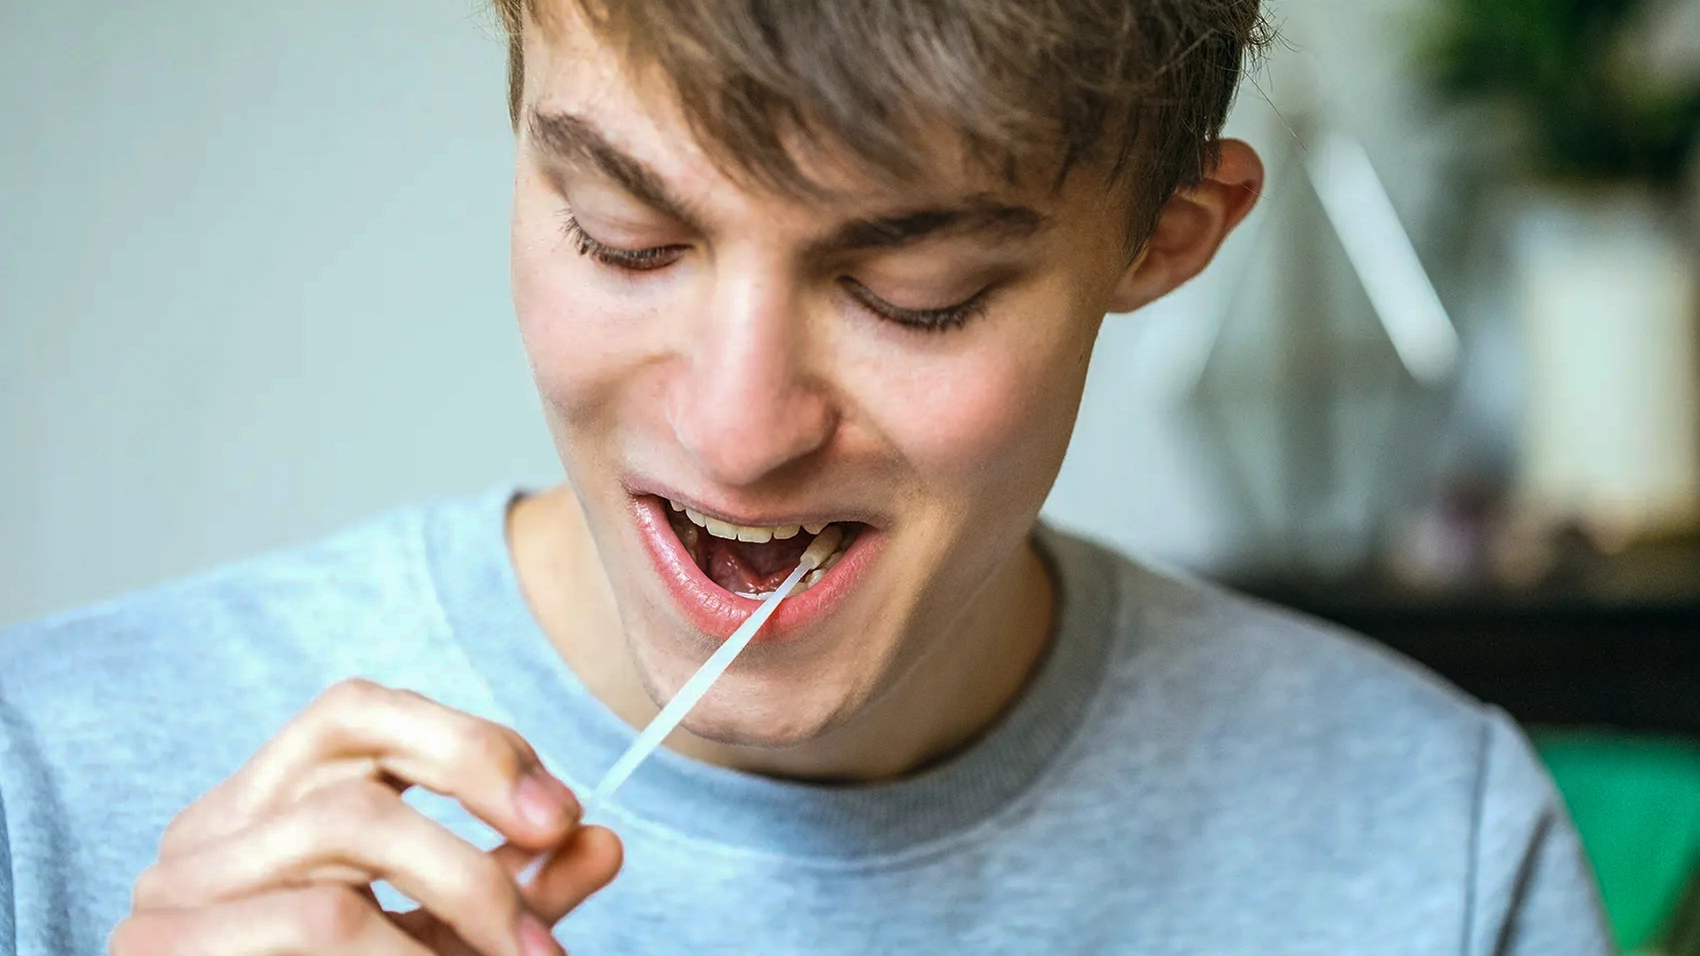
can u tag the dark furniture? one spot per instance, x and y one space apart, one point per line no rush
1605 640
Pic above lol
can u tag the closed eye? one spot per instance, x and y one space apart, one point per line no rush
617 257
924 320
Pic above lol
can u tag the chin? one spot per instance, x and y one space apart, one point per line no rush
761 703
734 730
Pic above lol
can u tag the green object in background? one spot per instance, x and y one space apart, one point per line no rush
1636 802
1579 78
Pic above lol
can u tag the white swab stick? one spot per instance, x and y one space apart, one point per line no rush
674 713
693 691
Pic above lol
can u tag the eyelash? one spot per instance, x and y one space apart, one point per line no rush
921 320
649 260
633 260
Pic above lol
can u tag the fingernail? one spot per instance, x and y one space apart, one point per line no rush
535 938
543 800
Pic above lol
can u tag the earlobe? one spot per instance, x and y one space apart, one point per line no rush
1192 227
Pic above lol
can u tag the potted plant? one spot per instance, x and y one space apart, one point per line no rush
1601 134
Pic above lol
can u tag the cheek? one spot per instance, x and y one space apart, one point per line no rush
992 421
581 338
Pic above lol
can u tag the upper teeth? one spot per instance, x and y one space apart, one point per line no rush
738 532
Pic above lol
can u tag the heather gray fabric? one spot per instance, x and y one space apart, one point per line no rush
1189 773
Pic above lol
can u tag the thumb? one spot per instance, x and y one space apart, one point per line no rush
585 862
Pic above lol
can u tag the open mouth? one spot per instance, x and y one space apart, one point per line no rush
752 562
716 572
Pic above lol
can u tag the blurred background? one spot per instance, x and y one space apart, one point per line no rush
1443 388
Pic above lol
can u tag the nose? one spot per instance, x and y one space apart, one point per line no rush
749 400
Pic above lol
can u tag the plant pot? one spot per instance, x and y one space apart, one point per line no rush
1609 296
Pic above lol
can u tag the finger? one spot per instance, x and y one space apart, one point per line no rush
442 940
325 920
588 861
353 833
361 729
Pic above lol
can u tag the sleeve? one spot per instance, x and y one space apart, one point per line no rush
8 914
33 920
1533 891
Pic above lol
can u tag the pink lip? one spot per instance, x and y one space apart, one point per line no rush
713 610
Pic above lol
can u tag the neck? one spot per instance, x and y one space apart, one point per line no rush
942 705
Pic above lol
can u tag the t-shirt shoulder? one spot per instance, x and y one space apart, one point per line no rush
1271 659
1320 769
1225 683
263 634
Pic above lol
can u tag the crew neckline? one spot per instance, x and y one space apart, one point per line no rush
579 737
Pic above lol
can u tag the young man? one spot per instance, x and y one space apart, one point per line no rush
779 268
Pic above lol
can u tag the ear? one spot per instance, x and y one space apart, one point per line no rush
1191 227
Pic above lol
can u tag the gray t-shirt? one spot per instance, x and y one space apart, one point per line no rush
1188 773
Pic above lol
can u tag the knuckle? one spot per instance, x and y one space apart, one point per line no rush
149 889
479 742
331 915
340 707
353 692
138 936
123 940
176 835
411 695
519 747
188 827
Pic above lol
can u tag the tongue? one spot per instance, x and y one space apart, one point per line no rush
744 567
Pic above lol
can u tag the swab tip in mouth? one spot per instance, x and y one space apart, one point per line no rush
826 542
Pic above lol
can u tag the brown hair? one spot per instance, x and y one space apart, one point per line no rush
1138 87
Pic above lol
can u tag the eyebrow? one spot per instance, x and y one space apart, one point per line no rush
978 215
575 140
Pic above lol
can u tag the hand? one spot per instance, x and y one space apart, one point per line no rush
280 858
